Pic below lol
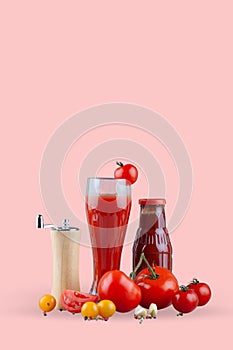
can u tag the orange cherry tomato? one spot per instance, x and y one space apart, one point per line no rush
106 308
47 303
89 310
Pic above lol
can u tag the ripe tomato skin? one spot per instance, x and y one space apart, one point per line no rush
116 286
73 301
202 290
185 301
127 171
159 291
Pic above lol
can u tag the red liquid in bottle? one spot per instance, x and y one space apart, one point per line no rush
107 218
152 236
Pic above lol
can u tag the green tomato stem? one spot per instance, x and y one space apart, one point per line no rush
120 163
153 275
194 281
184 288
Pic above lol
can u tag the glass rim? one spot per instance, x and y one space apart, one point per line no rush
106 178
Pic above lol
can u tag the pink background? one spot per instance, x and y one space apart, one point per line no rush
58 58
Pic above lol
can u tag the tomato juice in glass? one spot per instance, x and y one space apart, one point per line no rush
108 204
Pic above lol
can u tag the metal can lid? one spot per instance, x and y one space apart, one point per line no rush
152 201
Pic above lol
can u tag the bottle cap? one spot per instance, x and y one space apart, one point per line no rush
152 201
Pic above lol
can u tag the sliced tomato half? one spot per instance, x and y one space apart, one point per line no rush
73 301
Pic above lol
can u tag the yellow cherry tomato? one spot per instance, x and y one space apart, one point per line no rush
47 303
89 310
106 308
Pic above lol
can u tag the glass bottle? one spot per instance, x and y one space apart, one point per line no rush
152 237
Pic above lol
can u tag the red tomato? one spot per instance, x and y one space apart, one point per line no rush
158 289
202 290
120 289
185 300
127 171
73 301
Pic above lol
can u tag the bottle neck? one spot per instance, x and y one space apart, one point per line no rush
152 217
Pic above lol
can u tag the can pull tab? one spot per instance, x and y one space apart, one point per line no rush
40 223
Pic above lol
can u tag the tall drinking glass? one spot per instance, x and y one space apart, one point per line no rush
108 204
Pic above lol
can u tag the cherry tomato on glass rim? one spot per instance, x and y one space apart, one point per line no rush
185 300
116 286
127 171
202 290
73 301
